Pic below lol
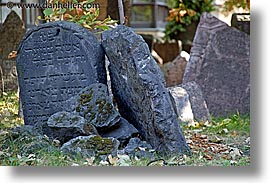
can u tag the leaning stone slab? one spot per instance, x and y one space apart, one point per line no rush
139 89
219 63
183 105
198 104
95 105
65 126
54 62
90 146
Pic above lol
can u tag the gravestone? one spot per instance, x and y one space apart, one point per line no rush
54 62
173 71
139 89
219 64
11 33
241 21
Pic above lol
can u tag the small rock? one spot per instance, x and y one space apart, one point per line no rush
122 131
138 148
65 126
93 145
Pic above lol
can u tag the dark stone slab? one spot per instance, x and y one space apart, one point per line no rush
54 62
65 126
122 131
95 105
91 146
139 89
197 101
219 63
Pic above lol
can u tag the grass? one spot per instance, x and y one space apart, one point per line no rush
222 142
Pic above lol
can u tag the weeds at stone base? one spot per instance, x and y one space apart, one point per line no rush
223 142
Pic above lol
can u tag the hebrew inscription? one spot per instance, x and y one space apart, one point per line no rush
55 61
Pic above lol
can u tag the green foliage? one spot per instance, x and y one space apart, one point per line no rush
9 111
229 5
85 16
183 13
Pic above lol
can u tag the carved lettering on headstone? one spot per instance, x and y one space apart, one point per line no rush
55 61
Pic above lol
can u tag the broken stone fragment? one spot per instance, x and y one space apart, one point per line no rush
139 148
65 126
95 105
138 87
91 146
198 104
122 131
183 106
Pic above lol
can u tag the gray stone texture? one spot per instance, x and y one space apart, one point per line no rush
173 71
139 89
91 146
183 105
11 33
95 105
219 63
139 148
198 104
65 126
54 62
122 131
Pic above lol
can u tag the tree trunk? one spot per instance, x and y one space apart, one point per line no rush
113 11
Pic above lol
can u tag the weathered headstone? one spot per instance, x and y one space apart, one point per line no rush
241 21
54 62
11 33
219 63
139 89
173 71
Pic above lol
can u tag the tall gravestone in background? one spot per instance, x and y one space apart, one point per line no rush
219 63
11 33
54 62
139 89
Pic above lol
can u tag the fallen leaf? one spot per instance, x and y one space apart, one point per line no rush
90 161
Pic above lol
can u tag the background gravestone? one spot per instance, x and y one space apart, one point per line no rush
139 89
54 62
173 71
11 33
219 64
241 21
